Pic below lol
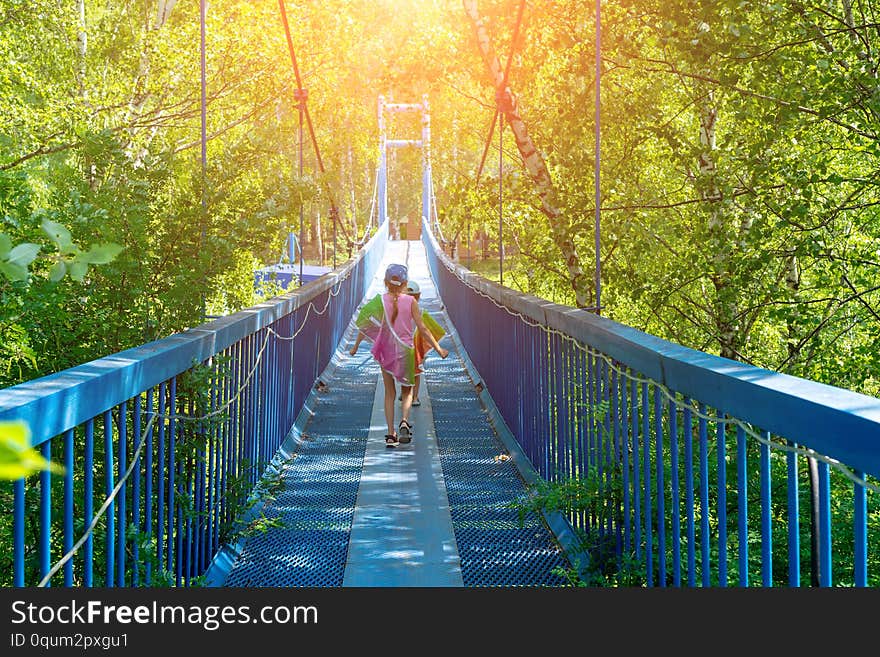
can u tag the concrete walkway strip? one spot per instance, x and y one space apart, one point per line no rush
402 531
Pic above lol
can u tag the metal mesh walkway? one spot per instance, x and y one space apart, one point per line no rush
495 549
319 488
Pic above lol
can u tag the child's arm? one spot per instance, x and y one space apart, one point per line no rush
357 343
420 323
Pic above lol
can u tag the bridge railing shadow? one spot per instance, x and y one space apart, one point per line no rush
163 444
690 469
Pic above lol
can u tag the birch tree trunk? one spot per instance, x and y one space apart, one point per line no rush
81 47
719 239
534 163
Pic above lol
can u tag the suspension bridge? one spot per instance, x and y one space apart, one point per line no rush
249 451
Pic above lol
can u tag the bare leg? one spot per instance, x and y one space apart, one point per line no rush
416 387
390 391
406 403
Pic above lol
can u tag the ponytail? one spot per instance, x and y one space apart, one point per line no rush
395 291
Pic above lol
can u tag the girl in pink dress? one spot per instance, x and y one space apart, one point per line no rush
389 321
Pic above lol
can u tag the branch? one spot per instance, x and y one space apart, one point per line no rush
671 69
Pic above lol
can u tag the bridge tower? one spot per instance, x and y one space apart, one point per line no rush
385 143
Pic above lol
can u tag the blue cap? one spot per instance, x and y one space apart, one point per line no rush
396 274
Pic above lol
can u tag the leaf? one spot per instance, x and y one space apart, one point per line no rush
78 270
101 254
13 271
57 272
23 254
58 234
17 458
5 245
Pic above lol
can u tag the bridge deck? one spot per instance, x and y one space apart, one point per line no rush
435 512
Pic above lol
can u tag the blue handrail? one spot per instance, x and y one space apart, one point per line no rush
209 407
564 381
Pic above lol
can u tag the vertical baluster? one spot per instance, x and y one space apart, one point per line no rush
722 501
545 403
649 518
592 446
18 546
766 517
68 505
162 478
676 500
661 501
742 497
136 494
212 482
574 454
46 513
189 488
607 448
110 541
148 486
89 503
705 557
122 463
624 425
637 466
860 522
601 441
825 578
585 428
793 515
616 457
689 493
554 441
172 563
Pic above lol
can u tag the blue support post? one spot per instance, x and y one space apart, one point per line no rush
148 486
162 491
109 484
89 502
637 466
689 493
860 521
721 485
705 558
766 517
676 501
46 513
136 494
68 505
661 502
18 546
121 506
649 516
793 514
742 500
825 578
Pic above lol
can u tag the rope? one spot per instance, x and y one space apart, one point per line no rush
671 396
153 416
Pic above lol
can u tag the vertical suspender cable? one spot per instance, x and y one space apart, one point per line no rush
598 156
301 229
334 211
203 10
501 116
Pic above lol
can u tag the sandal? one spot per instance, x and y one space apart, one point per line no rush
391 441
404 430
416 402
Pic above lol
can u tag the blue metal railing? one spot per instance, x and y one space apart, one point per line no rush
168 439
699 466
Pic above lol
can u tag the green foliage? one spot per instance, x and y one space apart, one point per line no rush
17 458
